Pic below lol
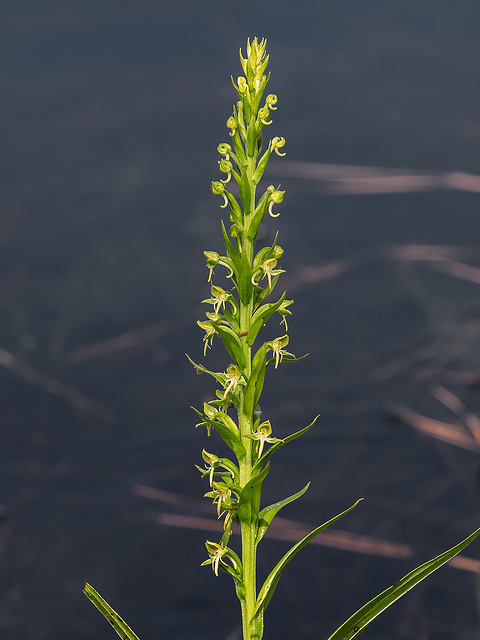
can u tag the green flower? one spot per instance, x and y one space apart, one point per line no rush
224 150
268 269
263 114
233 378
276 197
226 167
262 435
213 258
218 188
217 553
277 346
221 495
276 144
284 312
210 332
219 298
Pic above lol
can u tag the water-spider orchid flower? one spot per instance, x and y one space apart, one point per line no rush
277 346
233 378
271 101
226 167
284 312
262 435
219 299
276 197
263 114
221 495
213 258
276 144
224 149
217 553
210 332
218 188
267 268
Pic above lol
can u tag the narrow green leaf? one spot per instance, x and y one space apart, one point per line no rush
219 377
267 514
231 251
270 584
283 442
120 626
258 216
356 623
230 439
261 316
227 429
232 344
249 502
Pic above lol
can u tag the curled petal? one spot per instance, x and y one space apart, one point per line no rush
226 167
270 211
276 144
263 114
218 188
224 150
255 279
270 101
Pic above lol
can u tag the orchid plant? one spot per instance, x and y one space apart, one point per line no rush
237 317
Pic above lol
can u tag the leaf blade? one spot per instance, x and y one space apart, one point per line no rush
270 584
267 514
120 626
361 618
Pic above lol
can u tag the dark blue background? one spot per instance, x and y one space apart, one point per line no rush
111 112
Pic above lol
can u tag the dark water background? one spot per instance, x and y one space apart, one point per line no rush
110 115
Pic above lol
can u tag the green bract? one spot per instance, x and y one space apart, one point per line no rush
237 316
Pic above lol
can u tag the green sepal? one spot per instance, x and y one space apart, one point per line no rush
249 503
232 344
284 441
261 316
255 382
270 584
267 514
361 618
120 626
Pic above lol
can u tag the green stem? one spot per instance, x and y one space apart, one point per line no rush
245 423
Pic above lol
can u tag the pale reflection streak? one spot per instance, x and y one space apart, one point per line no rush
292 531
361 180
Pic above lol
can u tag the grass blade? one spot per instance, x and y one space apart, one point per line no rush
270 584
120 626
356 623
